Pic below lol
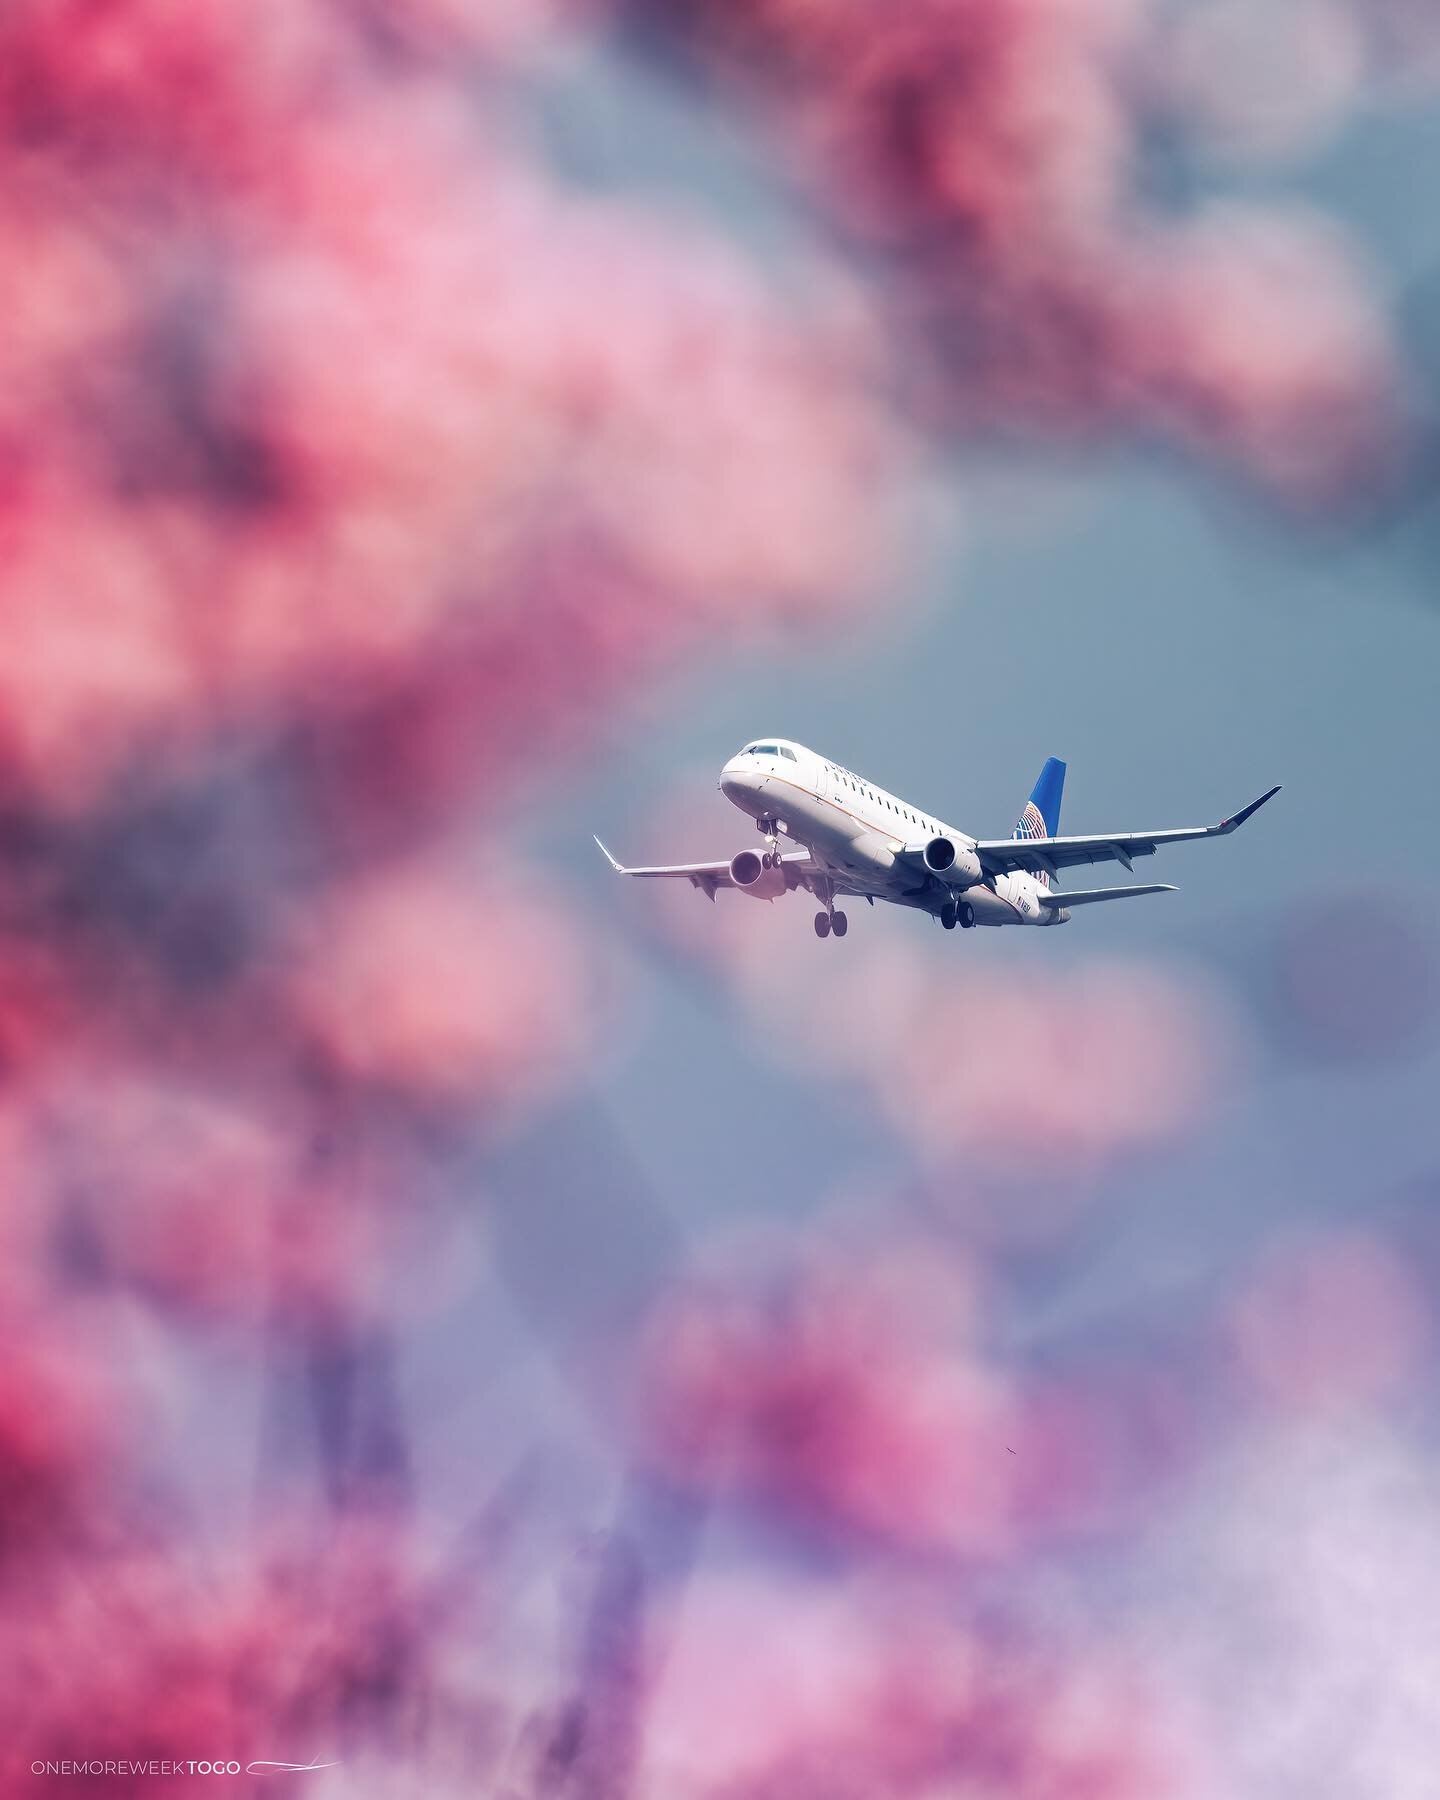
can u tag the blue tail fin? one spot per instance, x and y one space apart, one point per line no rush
1041 817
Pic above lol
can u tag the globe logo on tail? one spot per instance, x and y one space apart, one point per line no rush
1031 824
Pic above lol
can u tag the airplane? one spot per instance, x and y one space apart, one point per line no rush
854 838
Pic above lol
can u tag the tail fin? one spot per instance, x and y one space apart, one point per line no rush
1041 817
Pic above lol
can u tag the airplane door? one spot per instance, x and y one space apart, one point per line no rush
819 778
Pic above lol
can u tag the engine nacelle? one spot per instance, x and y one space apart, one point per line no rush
756 875
956 864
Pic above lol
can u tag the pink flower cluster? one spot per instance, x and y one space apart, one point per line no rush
852 1394
339 500
355 472
858 1389
987 159
842 1691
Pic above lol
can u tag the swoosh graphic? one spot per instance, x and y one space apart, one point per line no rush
264 1767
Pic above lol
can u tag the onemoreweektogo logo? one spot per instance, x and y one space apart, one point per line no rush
161 1766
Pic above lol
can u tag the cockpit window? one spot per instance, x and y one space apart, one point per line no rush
763 750
785 751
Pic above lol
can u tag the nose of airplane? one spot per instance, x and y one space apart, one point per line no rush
737 778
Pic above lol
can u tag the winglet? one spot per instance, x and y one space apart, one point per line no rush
619 867
1245 811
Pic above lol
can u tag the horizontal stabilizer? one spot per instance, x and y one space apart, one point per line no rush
1090 896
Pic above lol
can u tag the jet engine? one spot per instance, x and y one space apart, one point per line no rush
957 865
755 874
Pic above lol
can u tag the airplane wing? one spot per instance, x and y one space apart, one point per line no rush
707 876
1052 853
1091 896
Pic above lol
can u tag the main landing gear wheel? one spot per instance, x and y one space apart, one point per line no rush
949 912
967 915
822 925
839 924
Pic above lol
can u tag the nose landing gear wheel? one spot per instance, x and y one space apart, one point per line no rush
948 915
822 925
839 924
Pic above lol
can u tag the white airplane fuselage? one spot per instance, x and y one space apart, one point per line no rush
858 830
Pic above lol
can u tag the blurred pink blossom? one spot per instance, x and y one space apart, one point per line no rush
363 499
441 987
988 158
855 1387
1261 83
1329 1322
833 1397
1228 359
344 1652
779 1687
63 1419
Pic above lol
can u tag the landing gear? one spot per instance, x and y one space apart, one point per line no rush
829 921
967 915
949 913
957 912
